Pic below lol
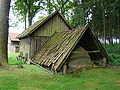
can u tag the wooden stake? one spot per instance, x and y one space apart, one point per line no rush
104 62
64 69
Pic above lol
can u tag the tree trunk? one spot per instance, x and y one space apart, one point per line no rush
29 17
29 13
119 25
25 22
25 16
110 24
110 29
104 28
4 24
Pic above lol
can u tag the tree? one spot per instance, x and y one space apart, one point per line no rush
78 16
49 6
4 24
27 9
62 5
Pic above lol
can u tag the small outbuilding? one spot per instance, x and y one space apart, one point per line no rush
37 34
13 43
69 50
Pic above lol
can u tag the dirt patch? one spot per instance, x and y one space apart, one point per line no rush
114 67
117 81
89 84
19 66
30 88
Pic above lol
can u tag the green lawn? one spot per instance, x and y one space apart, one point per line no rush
36 78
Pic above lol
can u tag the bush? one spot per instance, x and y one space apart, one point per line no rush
114 53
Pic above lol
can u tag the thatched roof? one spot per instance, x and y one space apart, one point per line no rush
58 48
38 24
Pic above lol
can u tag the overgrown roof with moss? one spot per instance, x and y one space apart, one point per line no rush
38 24
58 48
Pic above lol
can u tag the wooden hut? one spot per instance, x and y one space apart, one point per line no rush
66 51
36 35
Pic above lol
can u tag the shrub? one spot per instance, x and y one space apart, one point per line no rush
114 53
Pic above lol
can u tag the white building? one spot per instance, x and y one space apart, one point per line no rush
13 43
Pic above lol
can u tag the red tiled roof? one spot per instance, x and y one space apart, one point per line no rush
13 36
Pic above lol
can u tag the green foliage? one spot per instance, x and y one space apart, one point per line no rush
27 8
12 59
114 53
103 15
113 48
49 6
78 17
64 6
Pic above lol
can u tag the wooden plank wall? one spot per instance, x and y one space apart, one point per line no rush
36 43
33 44
25 46
56 23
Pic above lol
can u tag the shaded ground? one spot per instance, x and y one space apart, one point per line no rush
114 67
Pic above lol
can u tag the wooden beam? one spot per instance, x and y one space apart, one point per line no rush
79 52
96 51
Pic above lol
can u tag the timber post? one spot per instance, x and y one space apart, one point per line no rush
104 62
64 68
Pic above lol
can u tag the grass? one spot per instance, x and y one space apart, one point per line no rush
36 78
12 59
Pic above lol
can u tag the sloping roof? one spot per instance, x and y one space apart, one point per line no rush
57 49
39 23
13 36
